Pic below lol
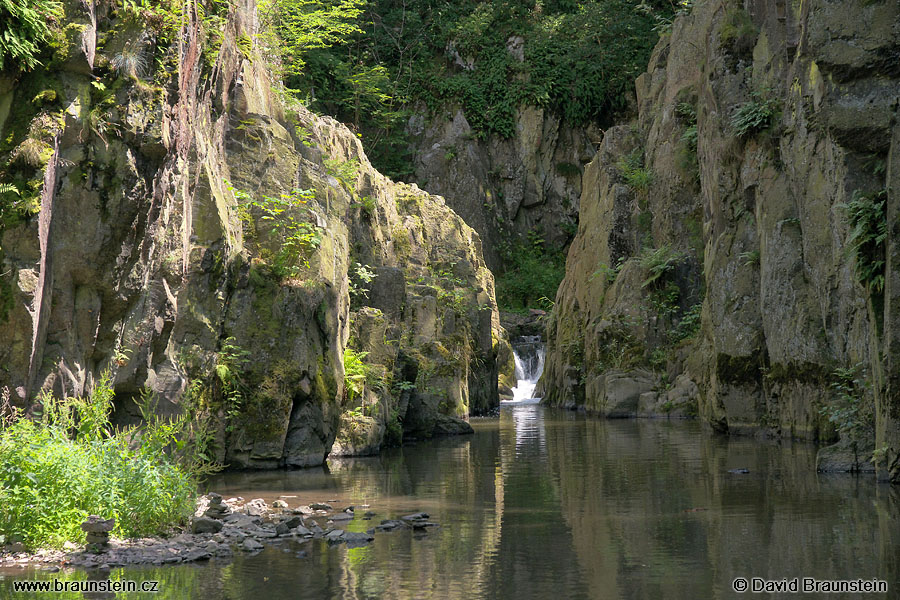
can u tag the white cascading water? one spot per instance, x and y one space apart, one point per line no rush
528 352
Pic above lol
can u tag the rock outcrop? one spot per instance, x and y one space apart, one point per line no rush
504 188
718 236
192 233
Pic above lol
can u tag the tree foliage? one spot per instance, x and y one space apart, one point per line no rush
577 59
302 25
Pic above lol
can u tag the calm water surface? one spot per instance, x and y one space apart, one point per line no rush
551 504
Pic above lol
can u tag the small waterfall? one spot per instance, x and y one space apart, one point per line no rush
528 352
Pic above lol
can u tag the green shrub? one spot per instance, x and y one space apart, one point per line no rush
71 464
297 238
754 116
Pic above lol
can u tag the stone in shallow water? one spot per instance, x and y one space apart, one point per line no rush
251 545
389 525
206 525
279 504
294 522
320 506
415 516
353 536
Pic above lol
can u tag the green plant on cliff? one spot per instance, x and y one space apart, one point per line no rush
344 171
290 219
637 176
737 30
579 59
356 373
608 273
756 115
72 463
659 261
130 62
299 26
26 28
749 259
360 276
229 386
850 409
866 216
688 325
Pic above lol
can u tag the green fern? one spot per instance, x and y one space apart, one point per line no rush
8 188
26 28
754 116
659 261
868 231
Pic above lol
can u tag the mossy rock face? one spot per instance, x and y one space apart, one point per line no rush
180 285
358 435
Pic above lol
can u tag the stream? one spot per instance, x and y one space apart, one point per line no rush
542 503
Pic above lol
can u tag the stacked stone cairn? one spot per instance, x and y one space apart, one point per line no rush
97 530
216 509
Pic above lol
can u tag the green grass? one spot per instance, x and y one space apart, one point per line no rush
72 463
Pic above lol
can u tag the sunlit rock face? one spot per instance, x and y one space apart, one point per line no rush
149 255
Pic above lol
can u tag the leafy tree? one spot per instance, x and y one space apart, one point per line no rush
302 25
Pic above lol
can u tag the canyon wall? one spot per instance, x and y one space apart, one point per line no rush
736 256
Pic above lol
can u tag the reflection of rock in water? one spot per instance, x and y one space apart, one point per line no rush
528 353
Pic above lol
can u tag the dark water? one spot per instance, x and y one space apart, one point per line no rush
549 504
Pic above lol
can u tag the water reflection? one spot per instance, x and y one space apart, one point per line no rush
547 504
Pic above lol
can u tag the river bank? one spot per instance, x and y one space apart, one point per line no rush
219 529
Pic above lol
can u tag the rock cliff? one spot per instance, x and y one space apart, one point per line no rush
504 188
737 247
177 222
